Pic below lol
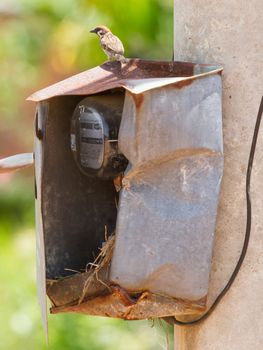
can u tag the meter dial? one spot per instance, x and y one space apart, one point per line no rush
94 136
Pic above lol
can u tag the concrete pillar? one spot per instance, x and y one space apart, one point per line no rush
231 33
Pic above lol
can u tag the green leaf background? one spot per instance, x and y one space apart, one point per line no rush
41 42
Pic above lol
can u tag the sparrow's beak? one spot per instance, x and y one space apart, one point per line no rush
92 31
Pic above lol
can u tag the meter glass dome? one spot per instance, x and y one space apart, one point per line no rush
94 135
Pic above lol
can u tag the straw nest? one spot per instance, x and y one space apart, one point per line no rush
102 261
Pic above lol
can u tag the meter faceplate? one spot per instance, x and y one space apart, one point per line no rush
94 136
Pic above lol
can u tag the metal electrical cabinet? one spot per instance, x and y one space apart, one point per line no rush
128 157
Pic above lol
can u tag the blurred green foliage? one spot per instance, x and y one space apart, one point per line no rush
41 42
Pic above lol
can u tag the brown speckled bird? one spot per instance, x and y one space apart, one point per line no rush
110 43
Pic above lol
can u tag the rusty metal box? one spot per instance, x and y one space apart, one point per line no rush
164 224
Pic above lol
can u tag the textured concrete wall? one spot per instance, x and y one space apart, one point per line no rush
230 33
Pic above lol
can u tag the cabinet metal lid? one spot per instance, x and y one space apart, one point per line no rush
135 75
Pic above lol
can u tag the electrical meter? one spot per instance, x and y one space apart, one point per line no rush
94 136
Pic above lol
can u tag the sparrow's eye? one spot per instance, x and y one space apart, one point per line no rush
100 32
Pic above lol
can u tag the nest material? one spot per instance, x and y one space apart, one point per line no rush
103 260
92 293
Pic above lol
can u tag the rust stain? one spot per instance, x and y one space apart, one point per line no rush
118 182
138 100
123 295
181 84
147 306
115 301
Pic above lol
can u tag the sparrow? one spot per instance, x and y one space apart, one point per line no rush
110 43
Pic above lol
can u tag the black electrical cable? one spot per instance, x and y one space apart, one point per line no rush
248 229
